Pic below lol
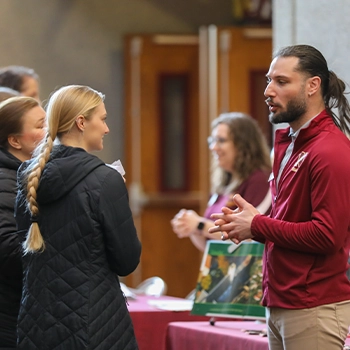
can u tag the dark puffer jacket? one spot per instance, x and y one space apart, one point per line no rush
71 294
10 251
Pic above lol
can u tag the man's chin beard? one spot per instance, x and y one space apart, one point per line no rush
283 117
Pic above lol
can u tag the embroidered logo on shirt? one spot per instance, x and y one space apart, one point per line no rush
301 158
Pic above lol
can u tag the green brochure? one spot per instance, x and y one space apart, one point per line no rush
230 281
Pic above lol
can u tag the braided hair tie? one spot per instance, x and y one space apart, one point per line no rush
34 218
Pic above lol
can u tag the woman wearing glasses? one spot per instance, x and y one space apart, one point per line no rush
241 164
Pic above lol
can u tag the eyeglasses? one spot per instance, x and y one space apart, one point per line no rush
219 140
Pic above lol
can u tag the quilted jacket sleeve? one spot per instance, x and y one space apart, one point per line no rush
122 244
10 248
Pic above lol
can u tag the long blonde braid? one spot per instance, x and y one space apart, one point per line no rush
34 241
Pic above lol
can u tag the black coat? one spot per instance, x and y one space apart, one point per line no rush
71 293
10 251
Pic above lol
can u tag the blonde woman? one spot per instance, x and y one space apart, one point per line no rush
81 234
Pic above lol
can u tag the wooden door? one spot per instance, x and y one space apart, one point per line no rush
175 85
162 152
238 59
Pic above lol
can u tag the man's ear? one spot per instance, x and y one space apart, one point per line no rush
314 85
14 142
80 121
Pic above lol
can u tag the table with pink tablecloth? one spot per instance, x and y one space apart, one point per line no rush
150 323
224 335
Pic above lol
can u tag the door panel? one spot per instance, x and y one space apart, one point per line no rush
244 56
174 86
162 153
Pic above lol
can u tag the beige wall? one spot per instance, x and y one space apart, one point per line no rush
81 42
323 24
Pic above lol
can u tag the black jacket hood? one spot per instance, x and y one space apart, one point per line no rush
65 169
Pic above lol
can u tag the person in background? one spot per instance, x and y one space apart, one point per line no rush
80 233
241 164
307 234
22 127
21 79
6 93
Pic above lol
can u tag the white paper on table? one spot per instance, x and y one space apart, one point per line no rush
127 292
172 305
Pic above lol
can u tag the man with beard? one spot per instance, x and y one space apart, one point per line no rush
307 234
